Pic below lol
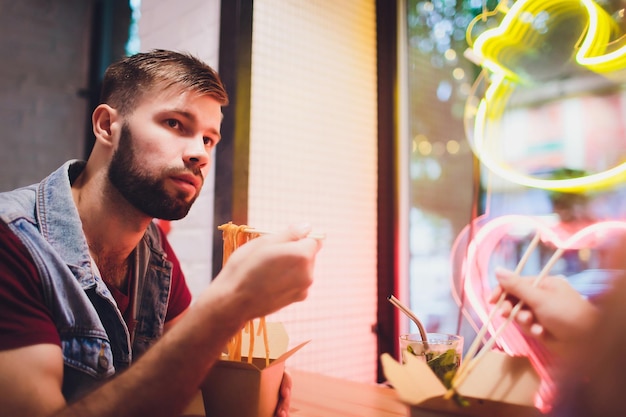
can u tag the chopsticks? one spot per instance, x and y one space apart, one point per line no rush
470 361
481 334
316 236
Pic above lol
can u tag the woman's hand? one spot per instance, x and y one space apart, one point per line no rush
554 312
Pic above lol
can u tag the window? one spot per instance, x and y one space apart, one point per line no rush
440 164
569 121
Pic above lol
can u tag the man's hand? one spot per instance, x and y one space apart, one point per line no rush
284 396
269 272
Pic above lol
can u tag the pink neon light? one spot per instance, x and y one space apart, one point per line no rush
473 272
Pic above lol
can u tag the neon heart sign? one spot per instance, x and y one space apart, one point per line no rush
515 55
476 265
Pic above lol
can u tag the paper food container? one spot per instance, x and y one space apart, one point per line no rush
245 389
499 385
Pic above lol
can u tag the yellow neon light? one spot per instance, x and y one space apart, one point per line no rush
499 51
593 51
490 108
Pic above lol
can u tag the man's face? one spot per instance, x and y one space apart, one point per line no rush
164 151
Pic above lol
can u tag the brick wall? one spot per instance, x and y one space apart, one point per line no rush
44 49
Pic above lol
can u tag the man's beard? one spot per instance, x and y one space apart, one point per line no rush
145 192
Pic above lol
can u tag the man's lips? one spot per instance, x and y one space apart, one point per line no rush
193 180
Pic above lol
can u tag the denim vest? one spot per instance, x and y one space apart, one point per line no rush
95 340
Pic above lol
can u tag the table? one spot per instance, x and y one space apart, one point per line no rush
317 395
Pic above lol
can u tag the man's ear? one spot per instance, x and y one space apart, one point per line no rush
103 122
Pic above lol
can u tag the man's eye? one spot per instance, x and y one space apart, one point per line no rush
207 140
173 123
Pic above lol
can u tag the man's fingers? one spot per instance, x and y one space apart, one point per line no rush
299 231
292 233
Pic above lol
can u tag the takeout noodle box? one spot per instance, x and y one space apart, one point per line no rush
245 389
499 385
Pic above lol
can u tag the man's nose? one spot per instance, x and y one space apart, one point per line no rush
196 153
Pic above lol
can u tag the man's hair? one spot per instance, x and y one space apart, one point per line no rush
126 81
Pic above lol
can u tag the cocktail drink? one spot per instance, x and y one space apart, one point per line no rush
442 352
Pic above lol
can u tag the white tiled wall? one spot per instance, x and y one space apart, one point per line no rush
313 157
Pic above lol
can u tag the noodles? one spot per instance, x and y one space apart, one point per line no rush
234 236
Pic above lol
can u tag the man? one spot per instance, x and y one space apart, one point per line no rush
89 287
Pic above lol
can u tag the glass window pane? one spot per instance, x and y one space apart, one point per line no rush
441 163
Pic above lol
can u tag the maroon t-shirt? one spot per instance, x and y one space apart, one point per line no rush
24 318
